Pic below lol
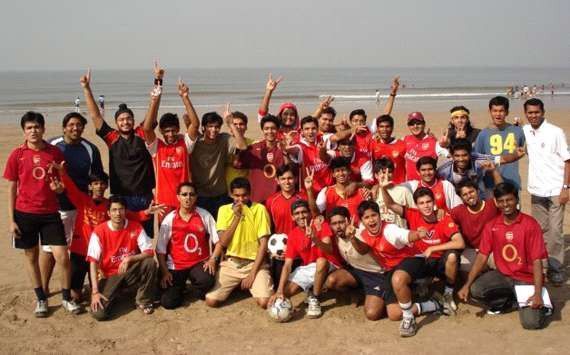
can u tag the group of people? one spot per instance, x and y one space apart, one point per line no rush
361 209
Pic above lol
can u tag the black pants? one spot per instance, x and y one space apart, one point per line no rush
276 267
496 292
201 282
79 268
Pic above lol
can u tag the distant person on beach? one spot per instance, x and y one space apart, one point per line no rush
501 138
76 103
548 182
377 95
130 164
102 102
33 209
82 159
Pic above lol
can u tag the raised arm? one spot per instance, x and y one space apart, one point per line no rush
326 102
393 92
92 107
152 112
193 126
388 200
241 144
269 89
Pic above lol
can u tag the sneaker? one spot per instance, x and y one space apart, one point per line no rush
494 312
71 306
408 327
41 309
313 307
449 305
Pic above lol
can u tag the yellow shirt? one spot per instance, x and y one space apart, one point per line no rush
231 172
254 224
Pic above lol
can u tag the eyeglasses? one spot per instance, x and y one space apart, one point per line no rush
184 194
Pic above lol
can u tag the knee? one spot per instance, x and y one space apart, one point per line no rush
210 302
170 301
332 282
262 302
451 259
394 313
400 279
372 314
531 318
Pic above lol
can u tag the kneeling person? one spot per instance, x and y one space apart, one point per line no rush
310 241
183 248
122 251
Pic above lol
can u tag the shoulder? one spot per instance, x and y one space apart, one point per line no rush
205 215
169 218
56 141
258 207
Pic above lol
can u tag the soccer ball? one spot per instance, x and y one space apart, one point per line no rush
281 310
277 245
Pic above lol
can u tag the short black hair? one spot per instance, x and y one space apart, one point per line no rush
240 183
381 164
459 108
465 183
367 205
339 211
269 118
534 102
102 176
185 184
299 203
240 115
461 144
123 109
421 192
505 188
339 162
330 110
212 117
426 160
117 199
169 120
32 116
309 119
385 118
293 168
358 111
71 115
499 101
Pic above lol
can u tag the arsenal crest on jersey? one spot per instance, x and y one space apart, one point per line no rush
36 159
425 146
509 236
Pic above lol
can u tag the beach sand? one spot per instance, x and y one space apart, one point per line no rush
240 326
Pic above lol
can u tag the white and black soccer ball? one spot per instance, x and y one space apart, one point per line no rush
277 244
281 310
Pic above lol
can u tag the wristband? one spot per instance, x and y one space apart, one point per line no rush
94 293
498 161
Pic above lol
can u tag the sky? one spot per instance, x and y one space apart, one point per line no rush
105 34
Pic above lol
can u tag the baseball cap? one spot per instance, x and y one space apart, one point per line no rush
416 116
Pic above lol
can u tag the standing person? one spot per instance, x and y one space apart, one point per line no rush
76 103
210 156
130 163
263 159
122 253
384 145
419 144
460 126
33 208
82 158
500 138
171 154
184 249
548 182
243 227
235 167
311 241
287 113
515 240
101 100
377 95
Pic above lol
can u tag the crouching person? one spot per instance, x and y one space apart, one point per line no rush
517 244
122 253
184 247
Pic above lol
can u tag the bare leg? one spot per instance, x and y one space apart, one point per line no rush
46 265
33 266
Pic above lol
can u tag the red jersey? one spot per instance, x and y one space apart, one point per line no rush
108 247
438 193
329 198
472 223
360 168
30 170
186 243
171 162
362 144
279 208
299 245
515 246
309 157
257 158
416 149
389 247
395 151
438 233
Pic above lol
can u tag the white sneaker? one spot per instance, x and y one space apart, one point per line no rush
41 310
449 305
71 306
314 307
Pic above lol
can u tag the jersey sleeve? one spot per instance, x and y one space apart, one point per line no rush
144 243
366 172
322 199
164 234
451 198
263 223
11 169
152 147
225 215
108 134
291 251
486 244
189 143
440 151
94 249
77 197
537 250
398 237
209 224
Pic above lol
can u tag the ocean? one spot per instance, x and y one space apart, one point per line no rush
54 91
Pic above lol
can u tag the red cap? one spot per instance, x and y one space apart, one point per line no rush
416 116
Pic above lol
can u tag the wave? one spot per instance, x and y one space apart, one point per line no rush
434 95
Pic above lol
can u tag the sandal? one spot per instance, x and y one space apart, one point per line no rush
146 308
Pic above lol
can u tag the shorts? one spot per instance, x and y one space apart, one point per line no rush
35 227
233 271
68 220
373 283
304 276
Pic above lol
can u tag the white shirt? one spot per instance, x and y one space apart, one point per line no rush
547 151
